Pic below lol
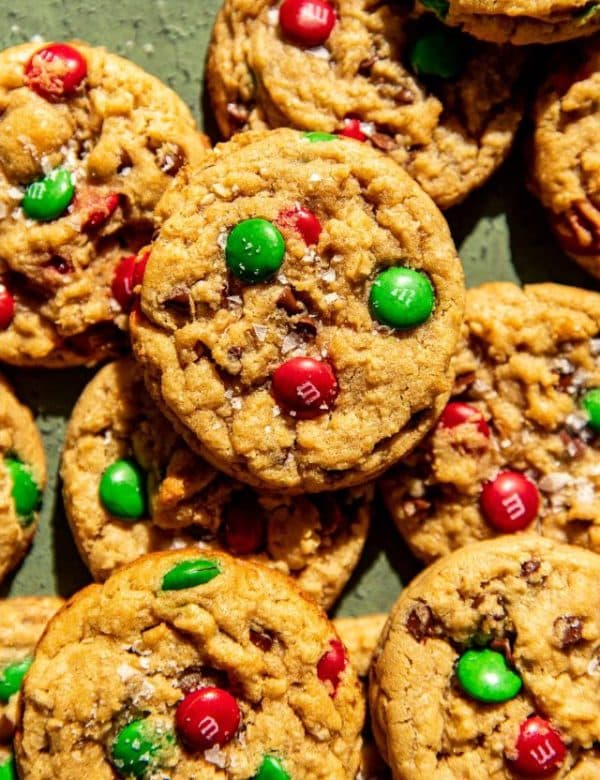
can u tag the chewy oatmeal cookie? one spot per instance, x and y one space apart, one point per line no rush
132 486
440 104
517 447
566 152
22 478
88 143
211 668
299 310
489 666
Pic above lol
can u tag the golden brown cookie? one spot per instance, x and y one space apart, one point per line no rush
118 442
88 143
566 152
440 104
299 310
517 447
489 666
213 668
520 21
22 478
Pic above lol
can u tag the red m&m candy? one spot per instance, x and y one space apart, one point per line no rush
457 413
304 222
332 664
7 308
207 717
539 750
305 386
306 22
510 502
128 275
97 209
244 527
352 129
55 71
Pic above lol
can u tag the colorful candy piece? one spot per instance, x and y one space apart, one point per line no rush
11 678
136 750
539 750
316 136
98 209
306 22
207 717
244 527
128 275
189 574
440 7
8 769
457 413
352 129
591 405
60 265
401 298
510 502
254 250
271 769
25 492
305 386
440 52
56 71
49 198
485 676
7 308
304 222
332 664
122 489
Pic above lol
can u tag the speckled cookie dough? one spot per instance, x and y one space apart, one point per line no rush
444 106
520 21
517 447
299 310
488 667
22 622
211 667
566 152
22 479
88 143
132 486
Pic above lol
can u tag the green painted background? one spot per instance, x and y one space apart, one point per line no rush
500 232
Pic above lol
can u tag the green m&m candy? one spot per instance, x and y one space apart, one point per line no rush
188 574
271 769
123 489
49 197
8 770
484 675
11 678
254 250
440 7
25 492
401 298
439 53
591 405
316 136
136 749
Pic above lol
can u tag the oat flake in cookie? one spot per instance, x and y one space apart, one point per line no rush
488 666
299 310
566 152
132 486
517 446
88 143
191 664
444 106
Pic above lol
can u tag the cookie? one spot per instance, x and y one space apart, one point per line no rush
565 172
119 447
191 667
88 143
22 622
488 666
517 447
440 104
299 310
520 22
22 479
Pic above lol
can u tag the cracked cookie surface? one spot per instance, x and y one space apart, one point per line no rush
315 539
225 359
527 360
450 132
157 635
533 600
81 170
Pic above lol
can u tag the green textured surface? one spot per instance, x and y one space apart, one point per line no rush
500 232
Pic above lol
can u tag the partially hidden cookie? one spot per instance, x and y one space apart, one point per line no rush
132 486
191 667
565 172
489 666
299 310
22 478
88 143
520 21
517 447
22 622
444 106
